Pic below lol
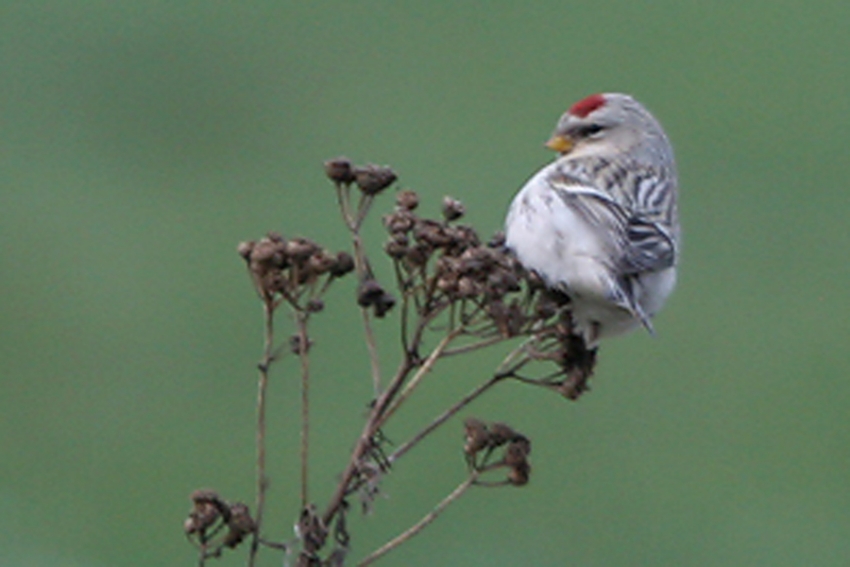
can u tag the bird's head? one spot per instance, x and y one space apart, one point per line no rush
609 125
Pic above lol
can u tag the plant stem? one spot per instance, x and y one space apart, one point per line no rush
474 346
421 524
498 376
365 439
303 346
353 220
443 417
372 345
262 386
420 374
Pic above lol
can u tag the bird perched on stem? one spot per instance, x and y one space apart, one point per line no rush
600 223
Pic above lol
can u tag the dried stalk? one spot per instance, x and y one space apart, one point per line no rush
269 305
364 440
353 221
420 374
303 347
421 524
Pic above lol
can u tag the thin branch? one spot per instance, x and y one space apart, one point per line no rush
420 374
372 345
364 441
353 221
443 417
474 346
363 210
343 195
501 373
262 386
421 524
303 347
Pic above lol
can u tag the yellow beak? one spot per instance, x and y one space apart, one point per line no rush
560 144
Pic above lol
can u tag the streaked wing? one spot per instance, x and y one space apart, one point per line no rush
636 242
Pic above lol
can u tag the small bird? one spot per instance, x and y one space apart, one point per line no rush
600 223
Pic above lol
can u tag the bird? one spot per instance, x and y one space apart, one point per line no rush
600 223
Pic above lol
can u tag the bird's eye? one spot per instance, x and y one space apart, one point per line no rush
590 130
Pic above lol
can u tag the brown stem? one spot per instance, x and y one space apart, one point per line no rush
420 374
372 345
503 371
474 346
364 441
262 386
303 346
443 417
421 524
353 220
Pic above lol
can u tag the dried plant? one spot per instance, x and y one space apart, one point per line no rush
454 294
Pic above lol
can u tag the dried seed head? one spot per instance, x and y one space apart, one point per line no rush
452 209
267 254
321 262
476 435
477 260
311 529
369 292
372 179
447 284
501 282
497 240
517 451
399 221
343 265
383 304
300 249
431 232
418 255
245 248
519 475
463 237
206 510
467 287
407 200
339 170
501 433
397 246
240 525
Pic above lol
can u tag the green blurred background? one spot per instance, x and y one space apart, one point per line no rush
142 140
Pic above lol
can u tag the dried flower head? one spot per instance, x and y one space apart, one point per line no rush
452 209
206 510
245 249
239 526
399 221
397 246
344 264
407 200
519 475
501 433
311 529
372 179
476 435
383 304
340 170
497 240
369 292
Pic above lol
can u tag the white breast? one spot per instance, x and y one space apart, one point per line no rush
548 237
